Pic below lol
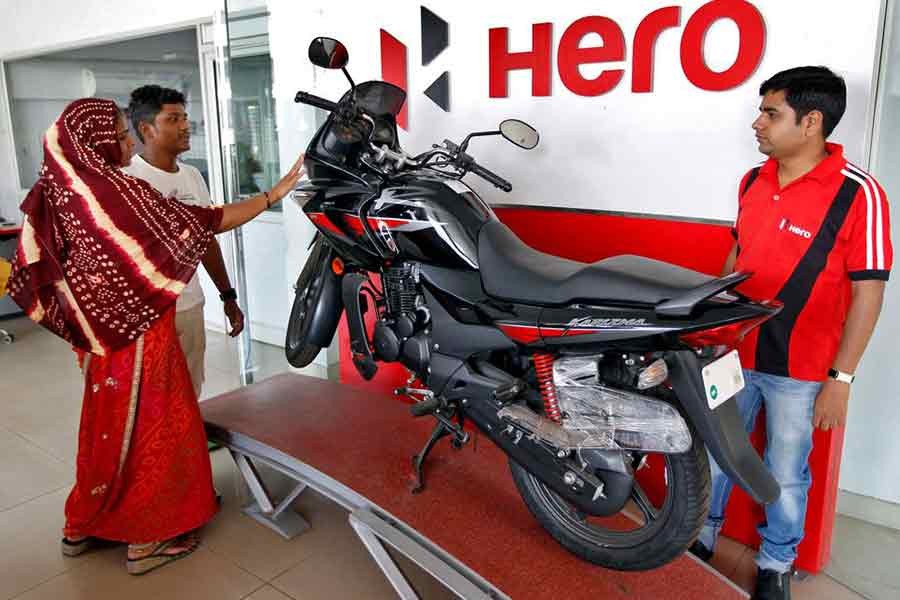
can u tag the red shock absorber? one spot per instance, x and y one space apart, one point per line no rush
543 367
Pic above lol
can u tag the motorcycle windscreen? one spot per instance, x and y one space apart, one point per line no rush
379 98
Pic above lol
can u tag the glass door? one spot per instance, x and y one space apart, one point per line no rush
247 141
266 258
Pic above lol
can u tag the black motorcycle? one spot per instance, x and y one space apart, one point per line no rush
579 372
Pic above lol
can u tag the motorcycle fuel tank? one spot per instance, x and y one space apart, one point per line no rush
430 219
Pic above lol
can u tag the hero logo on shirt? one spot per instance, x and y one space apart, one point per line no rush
795 229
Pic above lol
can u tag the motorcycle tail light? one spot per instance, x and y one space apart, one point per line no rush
728 336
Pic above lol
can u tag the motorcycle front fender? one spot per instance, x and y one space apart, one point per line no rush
318 288
329 305
721 429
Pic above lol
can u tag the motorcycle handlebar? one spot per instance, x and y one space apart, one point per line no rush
491 177
313 100
469 163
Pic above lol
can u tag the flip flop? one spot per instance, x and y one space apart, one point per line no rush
157 558
70 548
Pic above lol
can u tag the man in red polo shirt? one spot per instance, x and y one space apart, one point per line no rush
814 230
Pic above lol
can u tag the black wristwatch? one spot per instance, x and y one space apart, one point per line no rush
229 294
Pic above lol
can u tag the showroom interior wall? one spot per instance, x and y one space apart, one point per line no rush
677 151
695 143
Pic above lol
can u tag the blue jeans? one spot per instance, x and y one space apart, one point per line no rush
790 404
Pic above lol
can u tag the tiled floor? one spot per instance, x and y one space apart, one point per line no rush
39 410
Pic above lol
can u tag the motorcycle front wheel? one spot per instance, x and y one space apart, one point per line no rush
647 533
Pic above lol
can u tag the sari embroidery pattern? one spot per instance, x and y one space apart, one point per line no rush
163 488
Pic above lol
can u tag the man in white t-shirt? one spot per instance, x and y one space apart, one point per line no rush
159 118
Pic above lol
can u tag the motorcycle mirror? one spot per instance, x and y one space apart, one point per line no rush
328 53
520 133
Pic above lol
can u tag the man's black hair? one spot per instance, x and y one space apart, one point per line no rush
147 101
811 88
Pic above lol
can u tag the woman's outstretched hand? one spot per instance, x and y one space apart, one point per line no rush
237 213
288 182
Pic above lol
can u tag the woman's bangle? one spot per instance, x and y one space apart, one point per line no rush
268 200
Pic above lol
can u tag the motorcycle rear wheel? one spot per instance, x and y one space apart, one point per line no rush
664 531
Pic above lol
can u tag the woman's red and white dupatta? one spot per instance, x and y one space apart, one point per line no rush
102 254
101 260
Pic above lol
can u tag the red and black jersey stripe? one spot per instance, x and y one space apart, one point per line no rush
772 349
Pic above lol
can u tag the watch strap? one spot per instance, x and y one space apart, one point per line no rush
841 376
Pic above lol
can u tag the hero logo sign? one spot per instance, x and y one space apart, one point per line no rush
570 55
435 39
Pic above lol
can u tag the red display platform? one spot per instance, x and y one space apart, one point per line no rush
470 507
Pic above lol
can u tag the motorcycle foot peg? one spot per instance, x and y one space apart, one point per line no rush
425 407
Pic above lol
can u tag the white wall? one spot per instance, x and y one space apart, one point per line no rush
677 151
871 445
289 24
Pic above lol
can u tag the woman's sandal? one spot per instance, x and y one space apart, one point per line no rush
76 548
158 557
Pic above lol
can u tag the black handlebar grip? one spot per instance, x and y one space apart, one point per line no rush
492 177
313 100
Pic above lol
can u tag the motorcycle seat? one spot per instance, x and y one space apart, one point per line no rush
513 271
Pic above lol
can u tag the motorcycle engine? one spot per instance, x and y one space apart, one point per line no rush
402 332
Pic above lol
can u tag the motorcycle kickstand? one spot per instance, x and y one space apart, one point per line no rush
440 430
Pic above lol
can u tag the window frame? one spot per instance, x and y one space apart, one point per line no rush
6 121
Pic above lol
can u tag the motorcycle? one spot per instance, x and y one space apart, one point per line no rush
583 374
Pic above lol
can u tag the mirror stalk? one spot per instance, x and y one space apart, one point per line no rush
465 143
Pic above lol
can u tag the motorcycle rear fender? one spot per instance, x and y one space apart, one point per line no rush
721 429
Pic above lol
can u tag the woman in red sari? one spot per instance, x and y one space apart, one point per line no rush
101 260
